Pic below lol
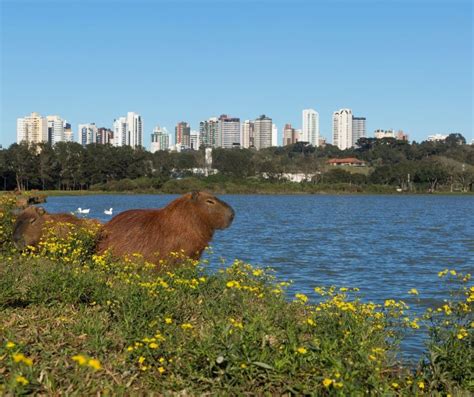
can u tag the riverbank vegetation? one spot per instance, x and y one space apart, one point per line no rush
77 323
389 166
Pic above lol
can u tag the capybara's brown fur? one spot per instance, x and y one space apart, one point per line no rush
185 225
34 222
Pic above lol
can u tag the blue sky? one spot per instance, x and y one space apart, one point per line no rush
402 64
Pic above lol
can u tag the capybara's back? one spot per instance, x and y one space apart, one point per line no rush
186 225
34 223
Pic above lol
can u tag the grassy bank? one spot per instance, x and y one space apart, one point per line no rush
76 323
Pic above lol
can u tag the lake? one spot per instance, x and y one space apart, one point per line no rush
385 245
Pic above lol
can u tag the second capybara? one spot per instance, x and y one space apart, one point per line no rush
34 222
185 225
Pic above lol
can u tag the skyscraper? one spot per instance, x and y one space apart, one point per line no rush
134 130
310 127
274 135
160 139
32 129
183 134
358 129
263 132
68 133
290 135
104 136
55 129
209 131
347 129
247 134
342 128
87 134
229 132
120 131
194 140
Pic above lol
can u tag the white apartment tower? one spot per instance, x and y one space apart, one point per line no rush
32 129
55 129
342 128
134 137
310 127
120 131
274 135
87 134
229 132
263 132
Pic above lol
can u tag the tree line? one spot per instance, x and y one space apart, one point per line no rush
413 166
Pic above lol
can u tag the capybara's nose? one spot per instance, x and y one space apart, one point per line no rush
232 214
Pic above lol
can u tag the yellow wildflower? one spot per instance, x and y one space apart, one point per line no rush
462 333
301 350
21 380
421 385
153 345
395 385
141 360
10 345
21 358
94 363
243 365
80 359
327 382
161 370
301 297
186 326
310 321
413 291
168 320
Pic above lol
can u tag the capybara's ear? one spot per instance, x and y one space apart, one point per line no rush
194 195
41 211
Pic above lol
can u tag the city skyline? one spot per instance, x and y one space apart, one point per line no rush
398 68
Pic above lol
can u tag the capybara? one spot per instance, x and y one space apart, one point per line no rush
185 225
33 222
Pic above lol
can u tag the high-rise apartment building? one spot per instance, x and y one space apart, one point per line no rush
160 139
342 128
229 132
358 129
209 131
105 136
32 129
248 134
183 134
274 135
87 134
310 127
120 131
194 139
55 129
134 130
263 132
68 133
290 135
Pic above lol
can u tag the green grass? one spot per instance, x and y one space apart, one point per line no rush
79 324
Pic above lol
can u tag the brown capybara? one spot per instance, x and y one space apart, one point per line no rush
33 222
185 225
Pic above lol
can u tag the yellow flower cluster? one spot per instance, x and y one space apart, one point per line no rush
85 361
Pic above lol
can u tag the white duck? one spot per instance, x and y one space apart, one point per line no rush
83 211
109 211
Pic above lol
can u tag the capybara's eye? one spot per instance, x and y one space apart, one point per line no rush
209 201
